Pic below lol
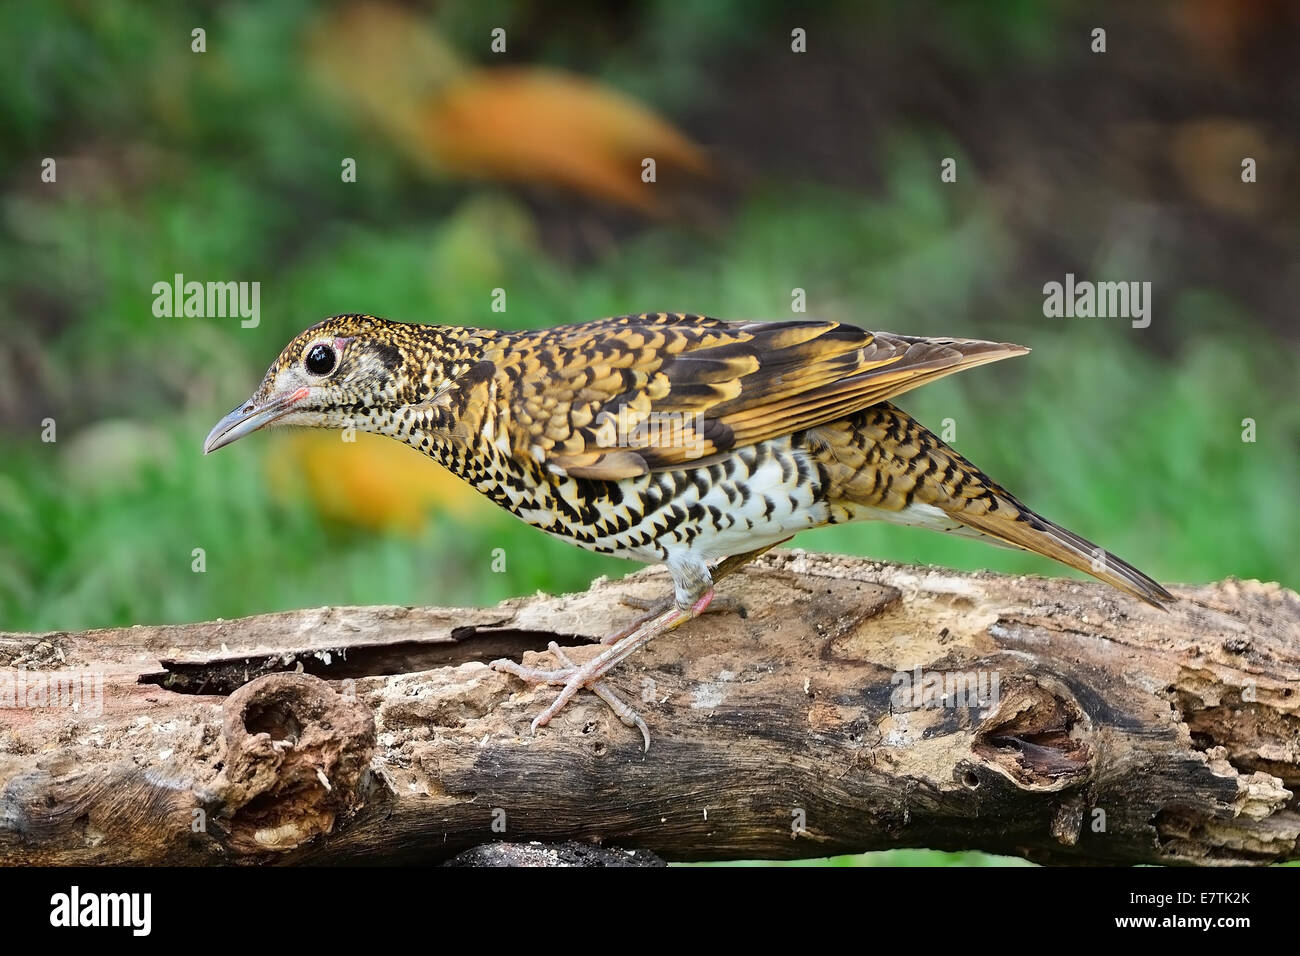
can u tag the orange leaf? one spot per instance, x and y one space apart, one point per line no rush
519 125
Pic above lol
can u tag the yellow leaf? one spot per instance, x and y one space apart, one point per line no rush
375 482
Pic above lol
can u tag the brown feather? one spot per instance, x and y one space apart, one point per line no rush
680 388
883 459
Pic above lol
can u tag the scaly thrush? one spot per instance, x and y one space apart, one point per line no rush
666 438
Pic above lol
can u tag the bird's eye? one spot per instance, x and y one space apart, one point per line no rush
320 359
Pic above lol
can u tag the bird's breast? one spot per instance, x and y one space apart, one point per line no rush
756 495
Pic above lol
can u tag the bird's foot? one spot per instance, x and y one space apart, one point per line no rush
572 678
563 677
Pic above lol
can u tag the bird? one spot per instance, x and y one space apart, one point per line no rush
672 438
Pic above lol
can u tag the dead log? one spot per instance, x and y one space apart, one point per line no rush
856 706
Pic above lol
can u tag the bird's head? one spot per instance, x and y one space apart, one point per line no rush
350 370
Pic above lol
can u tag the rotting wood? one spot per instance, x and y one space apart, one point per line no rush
1116 733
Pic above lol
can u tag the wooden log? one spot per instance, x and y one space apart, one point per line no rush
856 706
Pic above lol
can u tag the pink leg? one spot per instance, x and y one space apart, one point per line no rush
721 602
662 618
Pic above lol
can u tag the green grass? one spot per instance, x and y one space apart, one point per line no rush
1139 452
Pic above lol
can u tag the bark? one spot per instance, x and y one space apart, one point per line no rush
1092 728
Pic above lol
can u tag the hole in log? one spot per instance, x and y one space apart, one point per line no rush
275 720
224 675
1038 737
276 795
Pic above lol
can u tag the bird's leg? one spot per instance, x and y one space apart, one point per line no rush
723 602
572 678
588 675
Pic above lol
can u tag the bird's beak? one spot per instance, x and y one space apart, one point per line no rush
249 417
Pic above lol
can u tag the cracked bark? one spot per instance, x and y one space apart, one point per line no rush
1115 733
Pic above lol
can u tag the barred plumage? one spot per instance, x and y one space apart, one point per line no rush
666 437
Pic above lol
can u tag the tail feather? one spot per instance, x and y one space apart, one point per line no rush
1026 529
882 464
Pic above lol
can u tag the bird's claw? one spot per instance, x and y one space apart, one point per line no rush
621 708
573 678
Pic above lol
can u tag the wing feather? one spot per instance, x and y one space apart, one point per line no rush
620 397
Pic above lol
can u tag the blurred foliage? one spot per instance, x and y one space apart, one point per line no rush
226 166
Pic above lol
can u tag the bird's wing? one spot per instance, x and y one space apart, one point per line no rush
619 397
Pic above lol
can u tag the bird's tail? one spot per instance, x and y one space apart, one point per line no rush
887 466
1014 524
